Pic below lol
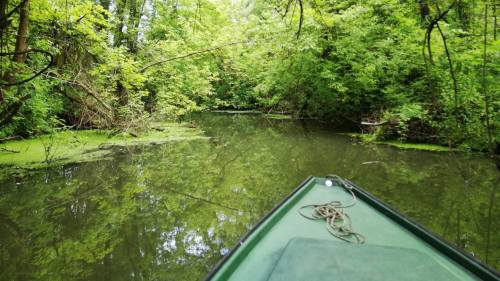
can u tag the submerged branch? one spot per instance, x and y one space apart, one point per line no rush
223 169
197 198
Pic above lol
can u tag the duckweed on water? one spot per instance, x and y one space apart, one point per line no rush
278 116
81 146
403 145
420 146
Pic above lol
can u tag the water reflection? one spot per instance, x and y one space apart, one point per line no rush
170 212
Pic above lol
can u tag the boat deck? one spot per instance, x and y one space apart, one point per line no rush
257 257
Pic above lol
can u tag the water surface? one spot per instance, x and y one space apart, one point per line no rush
171 211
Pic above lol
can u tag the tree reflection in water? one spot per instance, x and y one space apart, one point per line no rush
170 212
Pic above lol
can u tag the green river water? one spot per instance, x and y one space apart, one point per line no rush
171 210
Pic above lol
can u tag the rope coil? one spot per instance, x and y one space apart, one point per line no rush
334 213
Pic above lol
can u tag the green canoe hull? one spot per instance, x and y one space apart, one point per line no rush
286 246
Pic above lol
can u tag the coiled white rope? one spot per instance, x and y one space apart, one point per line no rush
336 217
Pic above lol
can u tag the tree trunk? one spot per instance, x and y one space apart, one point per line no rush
120 14
462 14
7 115
3 7
131 30
22 33
495 23
424 10
122 93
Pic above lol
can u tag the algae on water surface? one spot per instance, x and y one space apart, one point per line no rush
278 116
81 146
421 146
401 144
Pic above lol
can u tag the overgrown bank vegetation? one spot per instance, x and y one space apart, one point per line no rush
426 70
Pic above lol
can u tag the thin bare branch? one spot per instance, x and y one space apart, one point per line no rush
34 76
452 73
199 52
87 89
301 18
431 26
438 108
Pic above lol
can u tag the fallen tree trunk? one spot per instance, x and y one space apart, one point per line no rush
374 124
9 150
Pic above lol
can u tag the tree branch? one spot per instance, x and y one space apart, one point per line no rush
13 11
452 73
72 37
199 52
301 18
90 106
87 89
37 74
434 97
431 26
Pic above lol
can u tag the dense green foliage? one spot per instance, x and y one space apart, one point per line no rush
358 60
124 64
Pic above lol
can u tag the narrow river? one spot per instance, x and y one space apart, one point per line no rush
171 211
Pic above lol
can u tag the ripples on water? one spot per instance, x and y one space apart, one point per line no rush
170 212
